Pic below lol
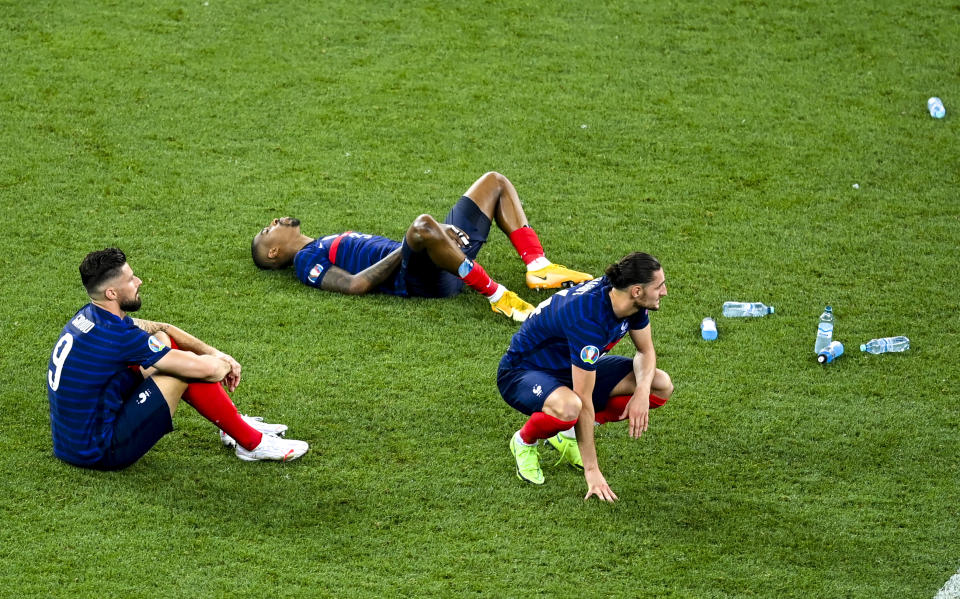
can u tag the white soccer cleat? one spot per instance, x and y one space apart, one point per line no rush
273 448
257 423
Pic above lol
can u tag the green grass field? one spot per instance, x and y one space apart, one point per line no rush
725 138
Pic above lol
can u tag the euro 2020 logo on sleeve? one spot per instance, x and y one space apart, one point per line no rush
315 273
155 344
589 354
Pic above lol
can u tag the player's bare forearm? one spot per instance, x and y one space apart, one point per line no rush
644 367
583 383
585 439
645 360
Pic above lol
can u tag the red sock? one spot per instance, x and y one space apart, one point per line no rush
527 243
618 403
479 280
213 403
656 402
543 426
615 407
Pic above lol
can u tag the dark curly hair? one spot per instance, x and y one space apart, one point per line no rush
633 269
100 266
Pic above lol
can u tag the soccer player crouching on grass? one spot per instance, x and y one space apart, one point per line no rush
556 372
433 260
114 382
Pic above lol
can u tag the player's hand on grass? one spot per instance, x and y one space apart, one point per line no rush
638 411
597 485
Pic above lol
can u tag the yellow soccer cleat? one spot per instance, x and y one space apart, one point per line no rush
512 306
555 276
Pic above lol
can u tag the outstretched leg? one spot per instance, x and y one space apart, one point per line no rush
497 198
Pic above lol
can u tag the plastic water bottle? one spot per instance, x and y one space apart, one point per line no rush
736 309
708 329
935 106
824 330
830 353
886 344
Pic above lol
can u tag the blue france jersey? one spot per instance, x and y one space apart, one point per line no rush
88 380
573 327
353 252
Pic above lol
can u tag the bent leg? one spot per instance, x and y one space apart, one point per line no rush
209 399
559 413
496 197
550 403
143 419
661 388
426 235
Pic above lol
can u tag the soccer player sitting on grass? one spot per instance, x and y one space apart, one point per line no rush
555 370
114 382
433 260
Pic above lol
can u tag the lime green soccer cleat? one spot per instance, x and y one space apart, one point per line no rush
528 461
568 448
555 276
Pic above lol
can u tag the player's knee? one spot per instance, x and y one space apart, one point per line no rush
664 387
569 408
495 178
423 229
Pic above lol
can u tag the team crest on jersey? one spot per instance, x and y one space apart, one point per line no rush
315 273
155 344
589 354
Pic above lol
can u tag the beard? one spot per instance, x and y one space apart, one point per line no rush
639 306
131 305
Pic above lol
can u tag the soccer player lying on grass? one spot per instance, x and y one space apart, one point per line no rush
555 370
114 382
433 260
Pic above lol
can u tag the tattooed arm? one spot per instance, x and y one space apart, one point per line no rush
187 342
364 281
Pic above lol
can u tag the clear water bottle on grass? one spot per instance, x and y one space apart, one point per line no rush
740 309
830 353
824 330
886 344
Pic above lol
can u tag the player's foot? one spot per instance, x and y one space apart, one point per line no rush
555 276
257 423
512 306
528 461
273 448
568 448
